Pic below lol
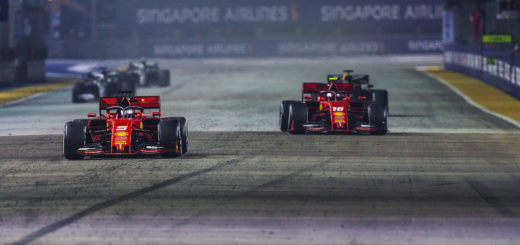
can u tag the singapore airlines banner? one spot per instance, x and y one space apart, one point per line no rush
389 26
142 15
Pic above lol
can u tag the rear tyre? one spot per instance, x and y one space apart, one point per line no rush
183 133
151 78
284 114
77 90
128 86
74 137
132 78
169 135
164 78
298 115
377 116
94 90
111 89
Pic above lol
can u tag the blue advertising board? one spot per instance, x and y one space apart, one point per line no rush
499 67
292 47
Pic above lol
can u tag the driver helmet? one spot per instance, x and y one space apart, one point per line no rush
347 78
329 96
129 113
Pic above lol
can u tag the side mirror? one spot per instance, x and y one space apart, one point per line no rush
91 115
370 85
156 114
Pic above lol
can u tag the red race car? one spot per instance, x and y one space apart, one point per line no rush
126 126
346 104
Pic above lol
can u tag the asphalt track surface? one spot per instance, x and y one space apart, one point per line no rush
447 173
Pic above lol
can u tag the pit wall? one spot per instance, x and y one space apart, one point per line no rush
496 66
34 72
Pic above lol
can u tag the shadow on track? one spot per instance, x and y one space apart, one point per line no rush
77 216
491 199
270 183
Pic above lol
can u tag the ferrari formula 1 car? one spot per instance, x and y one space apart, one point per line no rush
149 74
103 83
346 104
126 126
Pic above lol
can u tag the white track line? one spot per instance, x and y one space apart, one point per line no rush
468 99
401 130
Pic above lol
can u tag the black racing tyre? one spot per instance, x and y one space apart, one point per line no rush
132 77
164 78
169 135
77 89
86 124
377 116
284 114
83 122
380 96
151 78
298 115
184 133
73 138
128 86
93 89
111 89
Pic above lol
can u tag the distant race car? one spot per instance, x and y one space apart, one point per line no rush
149 74
126 126
103 83
346 104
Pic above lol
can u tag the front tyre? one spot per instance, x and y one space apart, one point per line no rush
183 133
128 86
298 114
377 116
169 135
77 90
164 78
110 89
284 114
74 137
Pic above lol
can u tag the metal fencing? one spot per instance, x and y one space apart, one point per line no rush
499 67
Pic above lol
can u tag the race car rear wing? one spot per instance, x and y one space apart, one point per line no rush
357 78
149 102
344 87
318 87
310 90
314 87
146 102
361 79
